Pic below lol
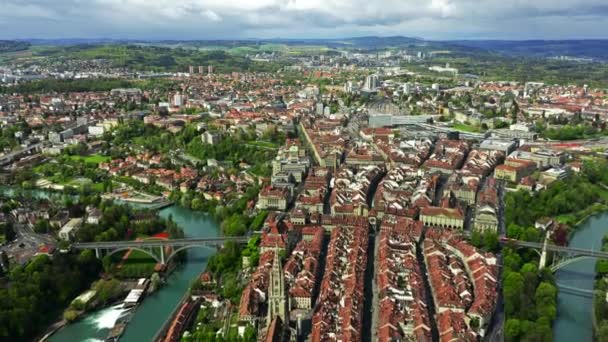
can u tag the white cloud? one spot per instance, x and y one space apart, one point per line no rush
303 18
212 16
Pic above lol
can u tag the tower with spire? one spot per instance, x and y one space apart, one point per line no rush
277 294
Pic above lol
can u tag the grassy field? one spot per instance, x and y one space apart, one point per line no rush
138 264
466 128
92 159
262 143
574 219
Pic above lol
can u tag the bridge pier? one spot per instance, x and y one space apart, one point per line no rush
162 255
543 256
97 253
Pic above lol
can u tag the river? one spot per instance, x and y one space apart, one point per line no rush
156 308
574 322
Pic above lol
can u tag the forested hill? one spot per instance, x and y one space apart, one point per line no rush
589 48
138 57
13 46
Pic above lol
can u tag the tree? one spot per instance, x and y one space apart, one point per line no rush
601 267
512 290
512 260
9 231
512 329
250 334
163 111
107 263
42 226
602 332
476 238
560 235
4 260
545 298
490 241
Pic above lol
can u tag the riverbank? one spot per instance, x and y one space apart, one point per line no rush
113 295
575 220
600 291
575 313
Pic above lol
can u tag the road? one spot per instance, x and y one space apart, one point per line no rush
496 332
26 244
375 304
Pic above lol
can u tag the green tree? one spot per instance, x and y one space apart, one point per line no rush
512 290
512 329
545 298
602 332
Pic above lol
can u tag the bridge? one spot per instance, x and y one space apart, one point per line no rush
575 291
156 248
563 255
10 157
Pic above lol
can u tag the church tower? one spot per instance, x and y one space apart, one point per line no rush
277 295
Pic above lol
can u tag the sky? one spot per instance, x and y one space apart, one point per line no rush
243 19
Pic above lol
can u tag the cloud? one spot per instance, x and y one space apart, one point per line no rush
208 19
209 14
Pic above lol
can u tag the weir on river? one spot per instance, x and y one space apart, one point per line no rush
156 308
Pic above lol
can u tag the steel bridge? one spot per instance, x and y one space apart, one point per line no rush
157 248
563 256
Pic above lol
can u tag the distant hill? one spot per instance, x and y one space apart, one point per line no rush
358 42
370 42
154 58
13 46
596 49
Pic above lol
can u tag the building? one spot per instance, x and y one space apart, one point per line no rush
514 170
58 137
387 120
506 146
69 230
211 138
178 100
553 174
291 161
442 217
486 218
278 302
544 158
303 267
504 133
274 198
97 130
319 108
371 83
486 209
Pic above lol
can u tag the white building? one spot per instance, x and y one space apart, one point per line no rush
371 82
178 100
68 231
97 130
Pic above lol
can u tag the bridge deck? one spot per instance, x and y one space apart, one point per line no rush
561 249
159 242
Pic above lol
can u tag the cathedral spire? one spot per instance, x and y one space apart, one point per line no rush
277 295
